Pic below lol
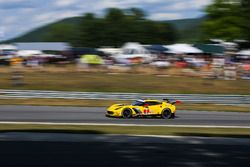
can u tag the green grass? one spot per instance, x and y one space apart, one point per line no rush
136 130
72 80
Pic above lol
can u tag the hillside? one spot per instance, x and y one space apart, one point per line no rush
187 29
40 34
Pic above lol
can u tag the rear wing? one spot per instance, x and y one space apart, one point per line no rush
172 101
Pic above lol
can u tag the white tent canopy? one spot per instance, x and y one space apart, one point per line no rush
8 47
110 51
244 52
182 49
25 53
37 53
134 50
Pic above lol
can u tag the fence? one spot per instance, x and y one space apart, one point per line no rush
187 98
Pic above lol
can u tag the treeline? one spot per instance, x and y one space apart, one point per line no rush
225 19
228 20
114 29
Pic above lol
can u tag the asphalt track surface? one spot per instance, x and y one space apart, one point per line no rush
97 115
49 149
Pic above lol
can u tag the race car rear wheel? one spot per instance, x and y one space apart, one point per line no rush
166 113
126 113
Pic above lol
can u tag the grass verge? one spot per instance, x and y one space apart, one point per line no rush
106 103
84 129
72 80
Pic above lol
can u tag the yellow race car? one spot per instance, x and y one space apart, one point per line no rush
144 108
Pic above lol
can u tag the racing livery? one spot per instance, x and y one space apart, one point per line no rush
144 108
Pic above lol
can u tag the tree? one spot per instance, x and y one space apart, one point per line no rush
87 29
116 27
120 26
136 13
226 20
61 32
245 13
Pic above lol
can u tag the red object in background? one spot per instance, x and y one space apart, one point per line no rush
180 64
178 102
246 67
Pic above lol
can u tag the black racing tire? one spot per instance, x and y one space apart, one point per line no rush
126 113
166 113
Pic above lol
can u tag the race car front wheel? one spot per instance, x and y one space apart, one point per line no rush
166 113
126 113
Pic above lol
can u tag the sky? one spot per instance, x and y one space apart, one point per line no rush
20 16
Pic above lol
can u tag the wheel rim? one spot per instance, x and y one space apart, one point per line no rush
165 114
126 113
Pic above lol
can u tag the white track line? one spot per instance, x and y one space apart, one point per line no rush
108 124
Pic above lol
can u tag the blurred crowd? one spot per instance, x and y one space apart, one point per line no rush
187 59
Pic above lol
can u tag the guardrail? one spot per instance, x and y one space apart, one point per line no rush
187 98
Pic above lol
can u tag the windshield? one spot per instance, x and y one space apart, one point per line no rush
138 103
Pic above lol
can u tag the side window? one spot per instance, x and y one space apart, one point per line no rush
153 103
138 103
